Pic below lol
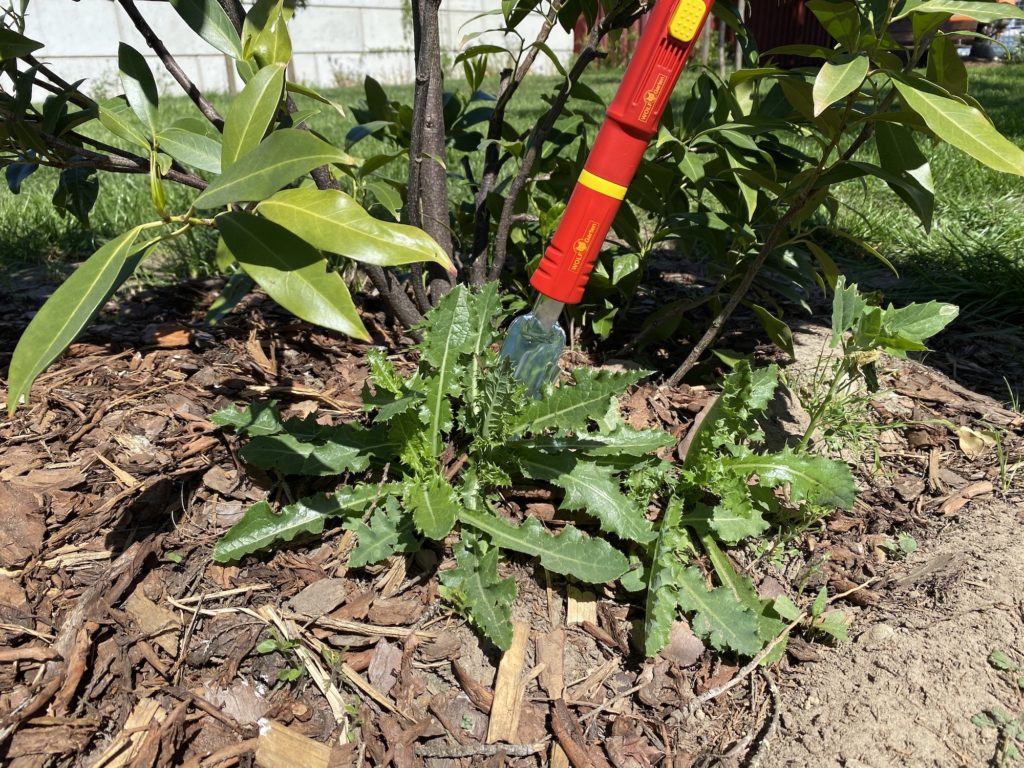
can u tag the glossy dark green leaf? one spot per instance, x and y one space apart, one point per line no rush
71 307
117 116
837 79
281 158
251 113
899 155
292 272
979 10
139 85
332 221
13 45
208 20
265 37
77 189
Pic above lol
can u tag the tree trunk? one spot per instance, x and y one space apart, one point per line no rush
427 201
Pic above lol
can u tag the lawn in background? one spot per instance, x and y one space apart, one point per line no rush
974 254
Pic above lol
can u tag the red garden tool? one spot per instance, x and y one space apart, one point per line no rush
535 340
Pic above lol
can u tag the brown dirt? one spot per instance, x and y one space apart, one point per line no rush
126 644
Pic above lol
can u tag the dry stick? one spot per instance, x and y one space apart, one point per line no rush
540 132
441 751
171 65
762 255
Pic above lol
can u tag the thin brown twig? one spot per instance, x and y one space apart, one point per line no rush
171 65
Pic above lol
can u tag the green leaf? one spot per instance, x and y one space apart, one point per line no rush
382 371
964 127
834 624
433 506
332 221
208 20
815 479
188 142
279 160
251 113
569 553
139 85
474 587
978 10
347 449
76 192
780 333
237 288
265 35
662 600
13 45
388 532
818 606
623 441
261 418
837 79
592 488
71 307
847 307
786 608
449 336
899 154
260 526
570 407
841 20
918 322
117 116
292 273
945 66
1000 660
718 616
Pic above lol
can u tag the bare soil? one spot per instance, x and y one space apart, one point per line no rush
123 644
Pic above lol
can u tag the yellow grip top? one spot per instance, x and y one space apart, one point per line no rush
686 20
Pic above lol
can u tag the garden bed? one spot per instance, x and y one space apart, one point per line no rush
124 644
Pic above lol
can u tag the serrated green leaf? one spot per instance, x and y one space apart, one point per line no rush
260 526
389 531
261 418
963 126
1000 660
208 20
834 625
918 322
475 588
815 479
71 307
332 221
623 441
293 274
251 113
820 602
139 86
291 456
433 506
837 79
662 601
448 336
592 488
718 616
570 407
735 517
569 553
279 160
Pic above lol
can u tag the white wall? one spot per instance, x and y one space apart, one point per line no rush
334 41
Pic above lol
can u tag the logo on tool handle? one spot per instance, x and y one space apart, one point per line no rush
581 245
651 96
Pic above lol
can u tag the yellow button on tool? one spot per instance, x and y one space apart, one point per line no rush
686 19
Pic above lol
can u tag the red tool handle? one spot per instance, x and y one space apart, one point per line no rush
631 121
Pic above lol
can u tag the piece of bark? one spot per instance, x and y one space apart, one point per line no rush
155 622
508 687
480 695
551 653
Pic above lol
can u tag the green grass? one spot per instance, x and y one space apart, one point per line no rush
973 254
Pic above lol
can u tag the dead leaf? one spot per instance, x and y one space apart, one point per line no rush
684 648
974 443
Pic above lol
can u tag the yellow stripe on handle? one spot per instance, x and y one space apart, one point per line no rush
605 187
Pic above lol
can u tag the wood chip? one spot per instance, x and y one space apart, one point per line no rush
126 745
157 623
582 607
956 502
551 653
279 746
509 688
